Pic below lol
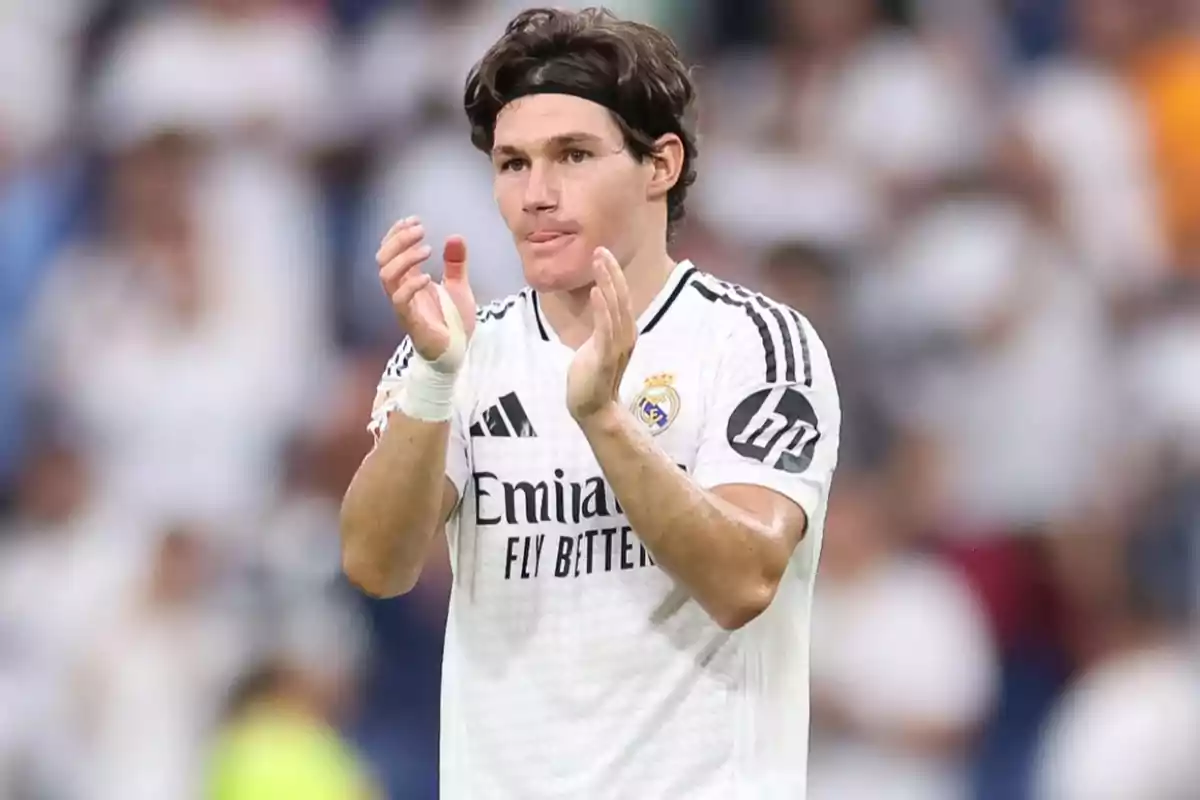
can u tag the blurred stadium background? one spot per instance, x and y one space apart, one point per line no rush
989 208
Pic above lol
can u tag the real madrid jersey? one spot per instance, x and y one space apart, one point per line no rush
574 666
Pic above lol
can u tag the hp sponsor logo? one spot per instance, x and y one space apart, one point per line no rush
775 426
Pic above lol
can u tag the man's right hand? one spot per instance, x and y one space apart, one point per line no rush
413 295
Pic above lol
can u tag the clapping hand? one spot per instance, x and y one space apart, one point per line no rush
414 296
594 378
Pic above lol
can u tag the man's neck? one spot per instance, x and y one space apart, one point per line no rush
570 313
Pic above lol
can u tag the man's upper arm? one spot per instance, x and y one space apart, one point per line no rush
774 419
386 397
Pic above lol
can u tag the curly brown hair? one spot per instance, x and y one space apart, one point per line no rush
635 70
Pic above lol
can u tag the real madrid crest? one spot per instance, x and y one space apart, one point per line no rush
657 404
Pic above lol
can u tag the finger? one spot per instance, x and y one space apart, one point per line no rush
601 322
454 255
396 226
624 304
604 282
398 242
402 225
395 244
403 296
399 266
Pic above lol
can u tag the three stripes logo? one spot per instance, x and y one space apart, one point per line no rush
507 418
780 328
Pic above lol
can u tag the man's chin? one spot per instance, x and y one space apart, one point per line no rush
559 274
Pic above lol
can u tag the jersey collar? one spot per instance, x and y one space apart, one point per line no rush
653 314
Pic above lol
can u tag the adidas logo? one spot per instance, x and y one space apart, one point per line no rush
505 418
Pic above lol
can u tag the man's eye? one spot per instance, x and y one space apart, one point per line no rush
577 156
511 165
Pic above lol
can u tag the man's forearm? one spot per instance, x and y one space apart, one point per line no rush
394 506
729 561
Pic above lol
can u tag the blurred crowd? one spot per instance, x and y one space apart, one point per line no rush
990 209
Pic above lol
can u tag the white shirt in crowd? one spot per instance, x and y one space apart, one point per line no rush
904 645
1128 728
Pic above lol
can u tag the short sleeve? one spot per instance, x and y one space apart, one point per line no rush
386 402
773 416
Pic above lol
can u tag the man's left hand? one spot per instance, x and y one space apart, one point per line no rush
594 379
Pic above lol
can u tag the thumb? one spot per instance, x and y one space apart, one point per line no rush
454 279
454 256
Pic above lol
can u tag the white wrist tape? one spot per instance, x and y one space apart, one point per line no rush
428 390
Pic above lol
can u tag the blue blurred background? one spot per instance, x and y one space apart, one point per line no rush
990 209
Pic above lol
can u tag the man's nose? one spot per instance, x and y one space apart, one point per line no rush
541 189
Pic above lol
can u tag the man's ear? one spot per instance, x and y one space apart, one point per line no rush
667 160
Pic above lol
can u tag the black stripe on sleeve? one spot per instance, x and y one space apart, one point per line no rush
761 309
804 355
778 310
789 353
760 322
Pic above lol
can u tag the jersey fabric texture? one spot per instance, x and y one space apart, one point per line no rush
575 667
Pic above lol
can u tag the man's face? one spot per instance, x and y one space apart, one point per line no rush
565 184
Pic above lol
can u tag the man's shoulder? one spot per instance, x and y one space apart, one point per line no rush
737 311
493 314
756 324
501 319
730 295
493 322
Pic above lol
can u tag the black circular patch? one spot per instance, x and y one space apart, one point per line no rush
775 426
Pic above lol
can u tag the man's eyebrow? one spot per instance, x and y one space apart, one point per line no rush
575 138
505 150
560 141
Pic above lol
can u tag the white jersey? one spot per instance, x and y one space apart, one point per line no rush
574 667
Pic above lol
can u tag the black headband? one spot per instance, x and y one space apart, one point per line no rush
603 97
596 95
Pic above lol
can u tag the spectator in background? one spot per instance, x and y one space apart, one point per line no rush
249 73
36 181
903 669
297 558
994 342
32 224
1086 133
1036 28
36 70
158 355
255 82
67 563
967 36
297 596
849 114
1167 77
150 691
1129 725
1163 359
278 742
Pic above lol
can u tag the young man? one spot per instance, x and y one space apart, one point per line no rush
631 458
